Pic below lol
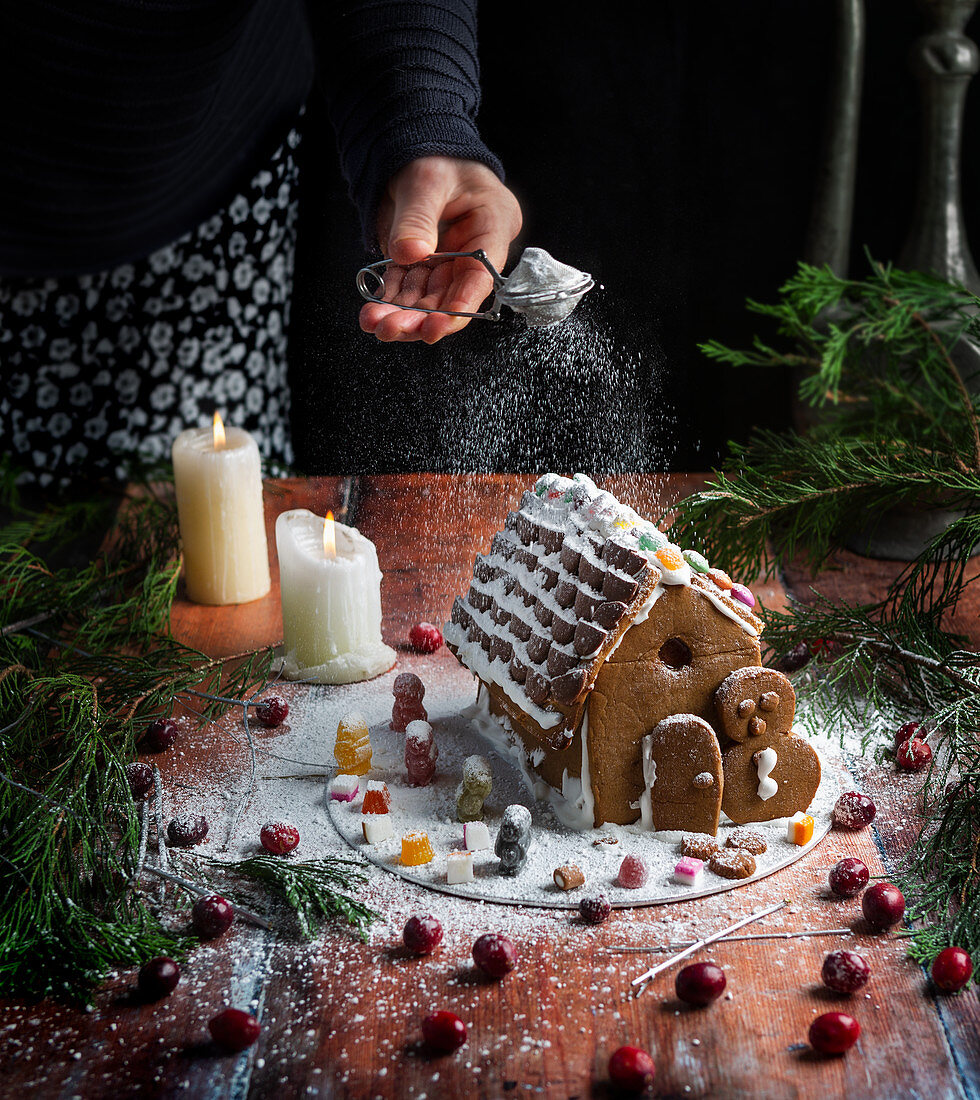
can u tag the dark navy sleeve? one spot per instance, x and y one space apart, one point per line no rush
402 81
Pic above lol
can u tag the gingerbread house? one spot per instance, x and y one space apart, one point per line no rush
624 675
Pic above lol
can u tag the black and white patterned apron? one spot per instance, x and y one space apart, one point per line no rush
99 367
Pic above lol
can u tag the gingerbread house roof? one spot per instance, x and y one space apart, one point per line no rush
572 570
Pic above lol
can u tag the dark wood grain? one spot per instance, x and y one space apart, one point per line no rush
342 1019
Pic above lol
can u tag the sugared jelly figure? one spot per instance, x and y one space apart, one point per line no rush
352 748
420 753
408 691
513 839
416 849
476 784
377 799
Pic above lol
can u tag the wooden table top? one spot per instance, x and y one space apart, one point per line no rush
341 1019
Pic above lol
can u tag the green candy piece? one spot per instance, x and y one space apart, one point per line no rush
698 562
652 542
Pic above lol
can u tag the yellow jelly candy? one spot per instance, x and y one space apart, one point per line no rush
416 849
800 829
352 749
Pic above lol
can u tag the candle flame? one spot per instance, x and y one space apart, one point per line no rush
329 537
219 432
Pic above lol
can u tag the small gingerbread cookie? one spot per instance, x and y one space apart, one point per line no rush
699 846
682 775
750 839
732 863
751 702
767 777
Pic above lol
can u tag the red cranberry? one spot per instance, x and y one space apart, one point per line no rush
140 779
794 659
161 734
186 830
422 935
631 1069
594 910
883 905
854 810
494 954
834 1032
700 984
907 731
211 916
278 838
234 1030
952 969
444 1031
913 755
408 686
425 638
632 872
272 711
849 877
158 978
845 971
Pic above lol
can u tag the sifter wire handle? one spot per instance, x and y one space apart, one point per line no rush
374 271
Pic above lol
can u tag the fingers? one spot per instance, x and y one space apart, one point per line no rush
419 193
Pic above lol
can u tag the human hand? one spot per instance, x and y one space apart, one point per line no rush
439 204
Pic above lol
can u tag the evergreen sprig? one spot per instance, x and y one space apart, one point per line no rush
315 890
892 363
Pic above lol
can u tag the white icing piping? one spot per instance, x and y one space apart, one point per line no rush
729 613
765 761
649 778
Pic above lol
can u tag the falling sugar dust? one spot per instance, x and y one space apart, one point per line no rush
568 396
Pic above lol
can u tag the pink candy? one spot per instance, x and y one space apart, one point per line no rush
420 753
408 691
740 592
632 873
688 871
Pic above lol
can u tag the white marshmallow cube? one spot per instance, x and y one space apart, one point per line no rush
377 827
476 836
344 788
459 868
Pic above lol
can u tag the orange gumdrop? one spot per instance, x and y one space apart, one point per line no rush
803 830
377 799
721 578
669 558
416 850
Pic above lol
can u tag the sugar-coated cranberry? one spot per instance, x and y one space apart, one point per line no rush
211 916
913 755
633 873
140 779
234 1030
700 984
187 829
278 837
494 954
854 810
952 969
408 686
849 877
594 910
907 731
834 1032
161 734
272 711
631 1069
422 934
158 977
883 905
444 1031
845 971
794 659
425 638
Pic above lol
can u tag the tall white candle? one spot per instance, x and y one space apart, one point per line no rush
331 601
218 480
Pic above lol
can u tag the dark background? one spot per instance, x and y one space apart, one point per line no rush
670 152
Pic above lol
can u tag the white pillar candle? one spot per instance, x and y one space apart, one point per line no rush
331 601
218 480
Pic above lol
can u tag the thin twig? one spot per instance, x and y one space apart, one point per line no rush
623 949
162 852
246 797
144 819
203 891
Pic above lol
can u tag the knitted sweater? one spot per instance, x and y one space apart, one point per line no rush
125 123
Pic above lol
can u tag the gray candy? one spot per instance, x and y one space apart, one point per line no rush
513 839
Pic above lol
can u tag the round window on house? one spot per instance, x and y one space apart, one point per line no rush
676 653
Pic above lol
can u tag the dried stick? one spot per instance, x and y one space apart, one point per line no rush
193 887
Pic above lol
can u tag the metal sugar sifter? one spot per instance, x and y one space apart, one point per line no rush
542 289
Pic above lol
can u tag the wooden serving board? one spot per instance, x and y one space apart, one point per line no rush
342 1019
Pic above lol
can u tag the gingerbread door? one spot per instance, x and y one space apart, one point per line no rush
682 771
